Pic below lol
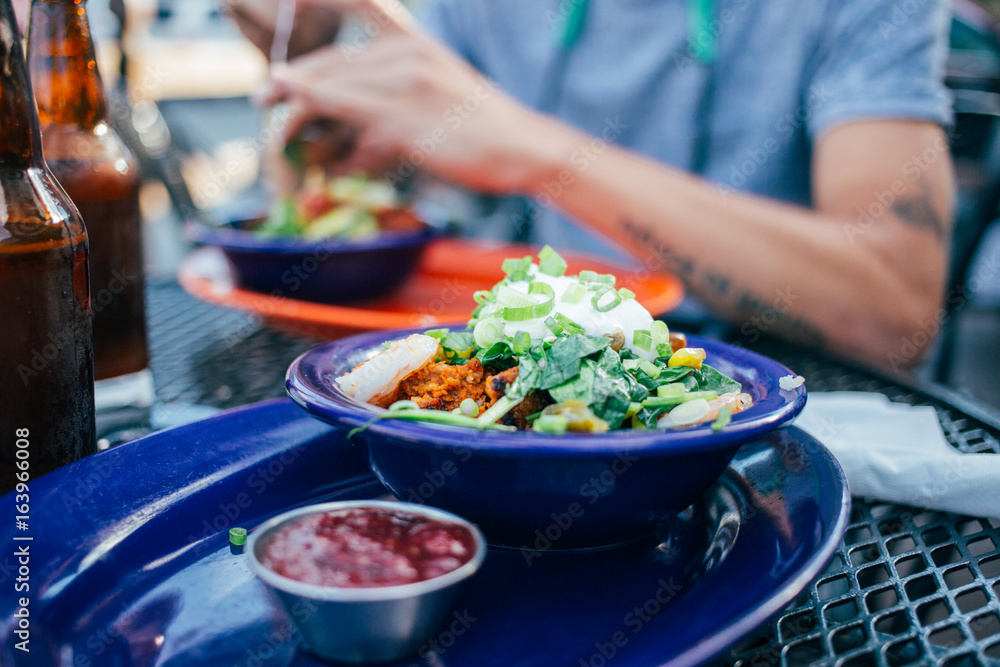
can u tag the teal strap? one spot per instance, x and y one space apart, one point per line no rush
569 23
701 37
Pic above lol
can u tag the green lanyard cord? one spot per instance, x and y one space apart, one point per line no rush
572 15
701 37
569 23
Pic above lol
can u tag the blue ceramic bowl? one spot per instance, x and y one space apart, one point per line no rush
327 271
539 491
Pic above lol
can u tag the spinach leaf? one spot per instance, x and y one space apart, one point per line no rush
495 353
527 377
612 389
709 379
671 374
563 360
580 388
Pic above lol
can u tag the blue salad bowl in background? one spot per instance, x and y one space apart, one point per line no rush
539 491
323 271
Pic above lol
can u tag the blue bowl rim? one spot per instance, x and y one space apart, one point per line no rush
229 238
331 405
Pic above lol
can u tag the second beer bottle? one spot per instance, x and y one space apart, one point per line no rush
102 178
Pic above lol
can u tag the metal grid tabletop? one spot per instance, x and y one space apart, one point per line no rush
906 587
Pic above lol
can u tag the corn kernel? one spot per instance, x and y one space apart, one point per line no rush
688 356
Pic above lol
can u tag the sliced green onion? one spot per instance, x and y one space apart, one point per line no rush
237 536
503 405
550 262
556 424
487 332
574 293
659 402
444 418
630 364
642 339
660 332
403 405
672 389
649 368
594 277
722 421
516 268
633 409
568 324
437 333
535 310
521 342
553 325
469 408
507 296
600 307
626 293
484 296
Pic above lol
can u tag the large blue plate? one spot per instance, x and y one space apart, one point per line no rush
130 564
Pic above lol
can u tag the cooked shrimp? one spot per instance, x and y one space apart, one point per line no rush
700 411
376 380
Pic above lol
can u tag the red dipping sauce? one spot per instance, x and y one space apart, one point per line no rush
367 548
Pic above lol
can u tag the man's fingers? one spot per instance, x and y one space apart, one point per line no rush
387 14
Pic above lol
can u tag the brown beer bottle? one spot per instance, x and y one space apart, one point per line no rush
99 174
46 353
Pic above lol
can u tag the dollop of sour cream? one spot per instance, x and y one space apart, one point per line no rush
627 317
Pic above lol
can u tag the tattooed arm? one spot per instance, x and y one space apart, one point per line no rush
863 272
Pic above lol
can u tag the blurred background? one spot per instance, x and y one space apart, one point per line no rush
181 75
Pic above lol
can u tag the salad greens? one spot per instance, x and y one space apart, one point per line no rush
593 361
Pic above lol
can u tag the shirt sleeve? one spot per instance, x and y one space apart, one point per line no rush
881 59
445 19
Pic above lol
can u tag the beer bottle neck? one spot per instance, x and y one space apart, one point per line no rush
64 72
20 137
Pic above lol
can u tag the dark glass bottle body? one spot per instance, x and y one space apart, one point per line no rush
46 352
99 174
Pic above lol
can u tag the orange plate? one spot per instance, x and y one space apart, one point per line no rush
440 293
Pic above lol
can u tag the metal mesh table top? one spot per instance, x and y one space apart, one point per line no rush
906 587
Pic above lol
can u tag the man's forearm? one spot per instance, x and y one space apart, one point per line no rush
765 265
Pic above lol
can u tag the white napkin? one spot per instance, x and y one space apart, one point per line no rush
897 452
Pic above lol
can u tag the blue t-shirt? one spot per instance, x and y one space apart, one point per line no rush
785 72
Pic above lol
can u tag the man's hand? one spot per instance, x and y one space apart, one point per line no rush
315 25
410 97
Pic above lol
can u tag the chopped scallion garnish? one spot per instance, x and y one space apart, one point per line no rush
516 268
550 262
659 402
660 332
574 293
521 342
594 277
568 325
669 390
642 339
722 421
626 293
602 304
556 424
649 368
535 310
488 331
